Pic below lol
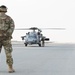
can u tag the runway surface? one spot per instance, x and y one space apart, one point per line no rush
53 59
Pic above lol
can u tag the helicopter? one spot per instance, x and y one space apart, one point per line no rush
36 36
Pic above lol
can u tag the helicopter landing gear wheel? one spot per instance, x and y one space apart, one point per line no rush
25 44
39 45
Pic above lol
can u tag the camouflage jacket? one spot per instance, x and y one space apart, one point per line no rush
7 25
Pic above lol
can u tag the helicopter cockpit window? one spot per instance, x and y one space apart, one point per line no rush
32 35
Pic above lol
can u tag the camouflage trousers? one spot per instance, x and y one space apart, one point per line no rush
8 51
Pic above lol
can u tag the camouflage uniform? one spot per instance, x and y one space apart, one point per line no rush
6 30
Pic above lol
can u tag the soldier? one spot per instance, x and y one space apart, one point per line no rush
43 41
6 29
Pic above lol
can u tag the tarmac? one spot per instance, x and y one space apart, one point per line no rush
53 59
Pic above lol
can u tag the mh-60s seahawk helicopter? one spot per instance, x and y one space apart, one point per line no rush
34 37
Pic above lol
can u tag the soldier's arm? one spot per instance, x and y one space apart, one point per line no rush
11 27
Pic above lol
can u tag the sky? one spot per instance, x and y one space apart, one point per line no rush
43 14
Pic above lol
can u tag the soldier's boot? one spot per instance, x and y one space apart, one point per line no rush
10 69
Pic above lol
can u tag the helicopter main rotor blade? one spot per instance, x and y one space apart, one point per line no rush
21 28
54 28
34 28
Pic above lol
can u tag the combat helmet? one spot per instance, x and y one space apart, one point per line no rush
3 8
